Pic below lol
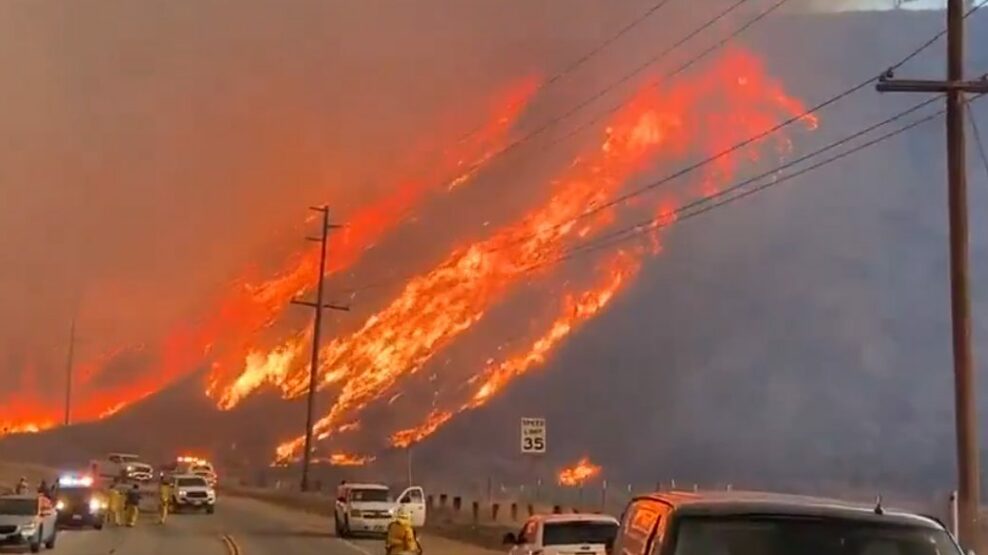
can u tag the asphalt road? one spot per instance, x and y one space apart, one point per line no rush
256 528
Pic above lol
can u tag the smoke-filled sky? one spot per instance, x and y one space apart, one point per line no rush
155 151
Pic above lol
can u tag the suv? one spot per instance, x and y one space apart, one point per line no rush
564 534
368 508
27 520
191 491
715 523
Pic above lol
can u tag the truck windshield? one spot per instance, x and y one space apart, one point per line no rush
190 483
782 535
576 533
19 507
370 495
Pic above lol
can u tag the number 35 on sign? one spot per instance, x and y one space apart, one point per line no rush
533 435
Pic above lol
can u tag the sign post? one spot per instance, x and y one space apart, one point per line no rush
533 446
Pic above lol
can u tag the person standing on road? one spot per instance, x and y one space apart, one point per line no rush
164 498
21 487
43 489
133 502
401 538
116 504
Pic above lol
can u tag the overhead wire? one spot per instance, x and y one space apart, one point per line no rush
589 55
976 131
725 196
621 199
551 122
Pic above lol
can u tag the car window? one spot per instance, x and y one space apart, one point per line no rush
779 535
374 495
114 459
19 506
413 496
578 532
191 482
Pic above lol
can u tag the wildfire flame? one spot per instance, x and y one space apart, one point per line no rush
579 473
576 310
345 459
229 332
438 306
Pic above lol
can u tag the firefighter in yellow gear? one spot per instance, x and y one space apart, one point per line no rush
401 538
116 505
164 499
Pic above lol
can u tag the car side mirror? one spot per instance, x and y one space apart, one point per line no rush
510 539
404 500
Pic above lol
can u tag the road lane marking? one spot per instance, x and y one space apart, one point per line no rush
231 544
355 547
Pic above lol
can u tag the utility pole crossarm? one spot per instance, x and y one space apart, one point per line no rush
931 86
311 304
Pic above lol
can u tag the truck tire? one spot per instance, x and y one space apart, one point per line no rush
210 509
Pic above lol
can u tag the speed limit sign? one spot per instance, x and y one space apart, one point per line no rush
533 435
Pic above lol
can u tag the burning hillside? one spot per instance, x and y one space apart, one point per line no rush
663 124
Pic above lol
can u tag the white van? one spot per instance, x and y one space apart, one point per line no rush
369 508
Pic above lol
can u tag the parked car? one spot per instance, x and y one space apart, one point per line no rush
714 523
27 520
585 534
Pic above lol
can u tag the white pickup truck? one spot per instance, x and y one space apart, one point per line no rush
369 508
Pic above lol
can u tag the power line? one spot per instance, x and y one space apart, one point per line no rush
836 98
724 197
607 88
596 118
611 40
976 131
621 199
593 52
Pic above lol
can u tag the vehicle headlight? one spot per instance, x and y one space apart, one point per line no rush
29 529
60 505
181 493
95 505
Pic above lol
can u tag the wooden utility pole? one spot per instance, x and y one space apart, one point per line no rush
965 409
318 306
69 364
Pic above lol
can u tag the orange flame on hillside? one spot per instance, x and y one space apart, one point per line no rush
576 310
345 459
579 473
436 307
229 330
